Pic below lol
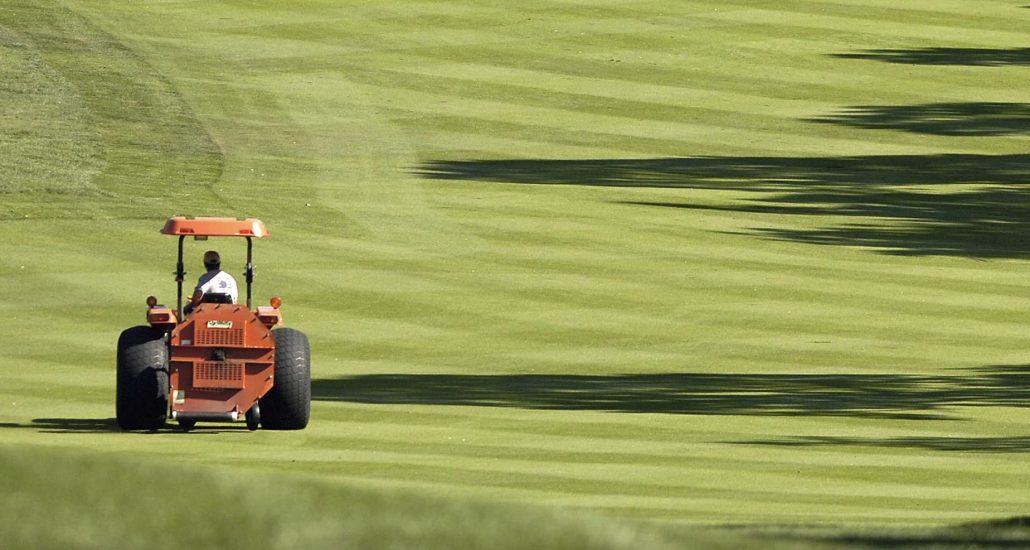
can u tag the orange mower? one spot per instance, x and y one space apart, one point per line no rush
219 363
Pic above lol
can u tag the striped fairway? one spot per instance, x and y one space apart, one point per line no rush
744 263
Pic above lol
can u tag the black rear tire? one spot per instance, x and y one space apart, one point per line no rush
141 395
288 405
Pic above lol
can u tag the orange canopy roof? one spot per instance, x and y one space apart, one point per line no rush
215 227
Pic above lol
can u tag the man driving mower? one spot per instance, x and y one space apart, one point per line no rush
216 285
224 362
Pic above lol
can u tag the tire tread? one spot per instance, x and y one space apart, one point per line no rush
141 395
288 405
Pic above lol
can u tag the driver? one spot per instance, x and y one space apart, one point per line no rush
215 281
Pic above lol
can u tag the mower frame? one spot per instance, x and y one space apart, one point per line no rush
219 363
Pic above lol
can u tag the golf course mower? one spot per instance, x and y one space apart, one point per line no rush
219 362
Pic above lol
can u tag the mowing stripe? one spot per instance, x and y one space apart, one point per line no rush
641 259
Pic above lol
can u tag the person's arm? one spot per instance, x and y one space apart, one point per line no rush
198 295
198 292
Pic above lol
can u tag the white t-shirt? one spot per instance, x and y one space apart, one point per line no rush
218 282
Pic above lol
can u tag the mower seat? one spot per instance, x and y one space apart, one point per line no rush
216 298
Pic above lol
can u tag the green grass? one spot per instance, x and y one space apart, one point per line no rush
58 498
65 499
753 264
58 157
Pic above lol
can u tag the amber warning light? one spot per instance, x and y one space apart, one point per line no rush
276 302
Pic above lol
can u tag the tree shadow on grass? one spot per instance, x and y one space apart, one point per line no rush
963 444
81 425
1013 532
903 204
852 395
67 425
944 119
110 425
982 223
973 57
764 174
983 381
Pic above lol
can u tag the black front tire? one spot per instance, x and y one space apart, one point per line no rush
253 417
288 405
141 395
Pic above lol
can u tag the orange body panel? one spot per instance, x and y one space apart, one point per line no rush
215 227
161 315
222 360
270 316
